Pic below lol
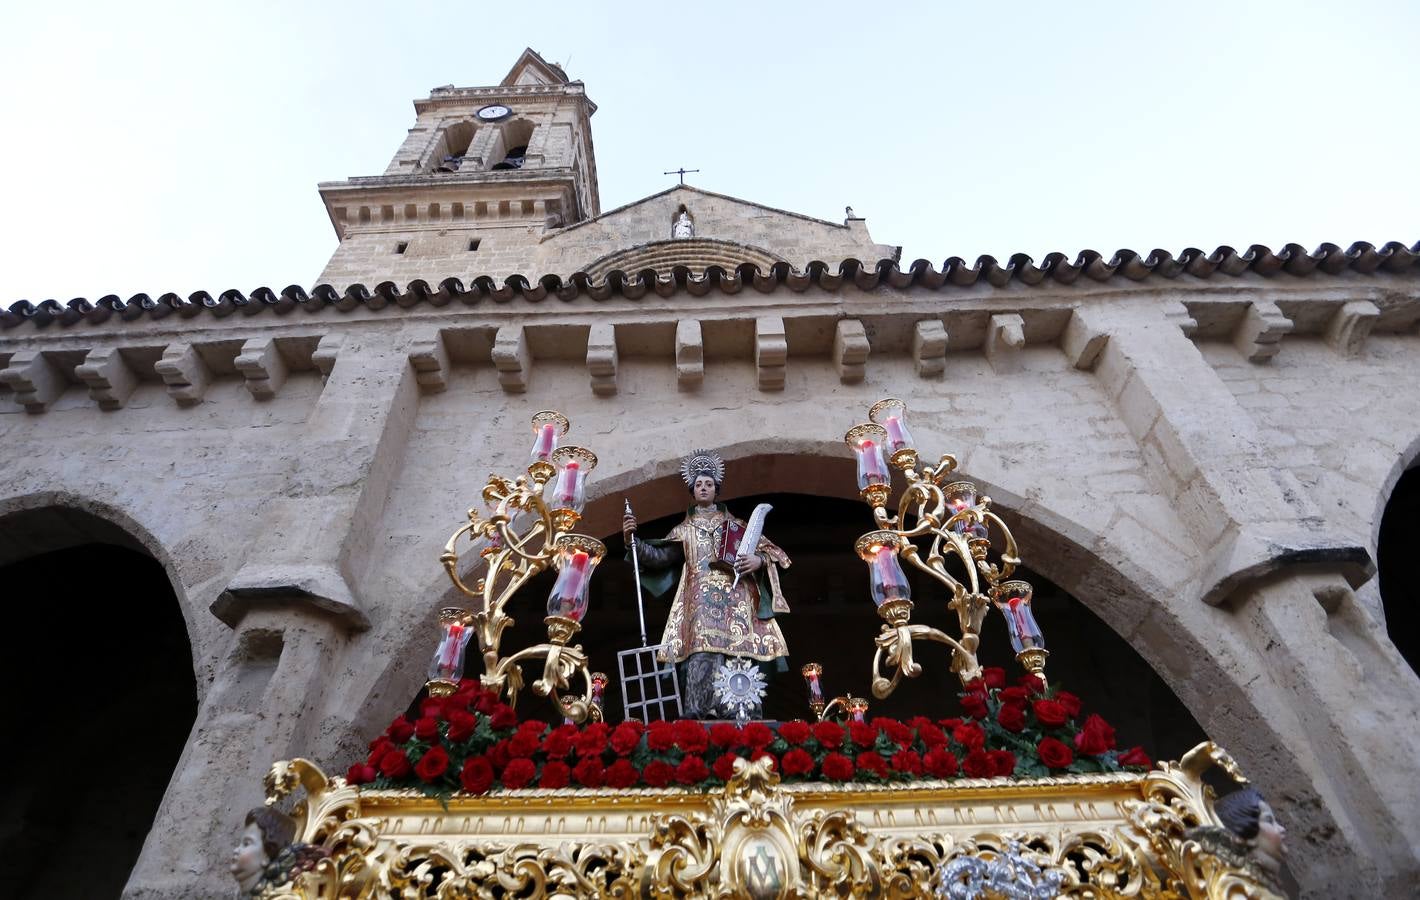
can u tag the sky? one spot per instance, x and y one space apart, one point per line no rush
154 147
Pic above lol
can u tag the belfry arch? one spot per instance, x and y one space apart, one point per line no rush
99 663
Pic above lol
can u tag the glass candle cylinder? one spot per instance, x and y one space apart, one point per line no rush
577 556
547 427
872 469
812 673
892 415
889 582
454 635
1013 599
599 680
570 491
857 709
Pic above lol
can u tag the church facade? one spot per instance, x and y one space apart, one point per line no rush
1200 449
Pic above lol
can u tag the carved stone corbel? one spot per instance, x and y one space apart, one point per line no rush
1259 335
263 367
36 381
430 361
771 352
185 374
850 350
689 355
1348 329
602 359
929 348
512 358
109 377
1005 339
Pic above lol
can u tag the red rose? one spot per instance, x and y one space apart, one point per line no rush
502 717
896 731
362 773
431 707
863 734
949 724
1014 696
400 730
1003 762
795 733
970 735
1069 701
657 773
558 742
974 686
426 729
432 764
498 754
477 775
837 767
906 761
523 744
723 734
660 736
1033 683
978 765
757 755
519 773
1135 756
974 705
590 772
1012 717
555 775
486 702
625 737
724 766
1050 713
461 725
994 676
395 764
378 748
940 763
931 735
1095 737
871 763
829 734
692 769
621 774
690 736
797 762
593 739
1054 753
757 735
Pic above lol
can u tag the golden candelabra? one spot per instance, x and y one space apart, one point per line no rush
948 520
851 707
518 534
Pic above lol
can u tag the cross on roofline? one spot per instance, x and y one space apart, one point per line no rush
681 172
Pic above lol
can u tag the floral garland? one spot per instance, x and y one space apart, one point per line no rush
471 741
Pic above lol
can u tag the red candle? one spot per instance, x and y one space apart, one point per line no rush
871 468
546 442
897 433
452 644
568 492
569 594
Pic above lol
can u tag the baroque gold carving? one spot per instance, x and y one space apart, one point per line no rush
1105 837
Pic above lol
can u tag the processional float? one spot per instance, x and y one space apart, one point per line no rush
405 824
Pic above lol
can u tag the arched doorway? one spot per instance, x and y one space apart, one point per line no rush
833 623
99 700
1398 565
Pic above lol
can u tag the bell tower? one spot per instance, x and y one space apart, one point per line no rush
482 175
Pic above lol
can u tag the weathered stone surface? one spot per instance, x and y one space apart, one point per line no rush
850 350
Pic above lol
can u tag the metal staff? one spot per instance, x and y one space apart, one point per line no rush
636 568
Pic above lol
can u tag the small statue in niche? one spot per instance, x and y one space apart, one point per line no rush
1251 837
267 856
683 227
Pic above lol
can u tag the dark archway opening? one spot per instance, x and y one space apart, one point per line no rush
1399 566
99 701
833 623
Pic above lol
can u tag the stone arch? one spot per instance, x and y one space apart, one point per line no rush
1395 531
120 658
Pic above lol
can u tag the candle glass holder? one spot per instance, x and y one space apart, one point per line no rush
548 427
577 556
569 490
812 673
857 709
892 415
446 669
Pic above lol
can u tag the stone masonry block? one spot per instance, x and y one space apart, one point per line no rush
35 380
430 360
512 358
929 348
108 376
185 374
689 355
261 364
1348 329
850 350
1259 335
1082 342
1005 338
323 357
771 350
601 358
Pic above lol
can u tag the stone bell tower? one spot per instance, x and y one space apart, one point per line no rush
483 173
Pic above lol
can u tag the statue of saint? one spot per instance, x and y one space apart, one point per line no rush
712 618
683 227
266 857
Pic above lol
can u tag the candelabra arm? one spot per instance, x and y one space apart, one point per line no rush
560 664
895 648
1010 555
939 572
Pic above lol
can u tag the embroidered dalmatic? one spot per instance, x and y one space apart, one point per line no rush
707 615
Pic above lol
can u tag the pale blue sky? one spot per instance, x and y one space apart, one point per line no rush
176 147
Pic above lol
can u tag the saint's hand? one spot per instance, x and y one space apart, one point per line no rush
628 526
747 564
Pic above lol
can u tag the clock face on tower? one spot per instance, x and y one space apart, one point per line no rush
494 113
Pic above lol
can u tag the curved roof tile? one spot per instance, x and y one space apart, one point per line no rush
1293 259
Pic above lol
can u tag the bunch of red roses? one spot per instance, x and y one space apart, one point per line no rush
471 741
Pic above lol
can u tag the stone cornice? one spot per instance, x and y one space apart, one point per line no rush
1055 270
